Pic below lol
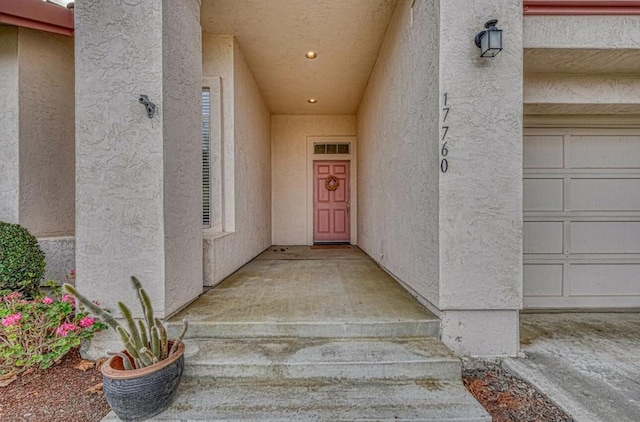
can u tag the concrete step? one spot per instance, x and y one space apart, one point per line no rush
343 358
428 327
321 400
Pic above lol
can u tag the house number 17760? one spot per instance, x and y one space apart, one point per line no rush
444 151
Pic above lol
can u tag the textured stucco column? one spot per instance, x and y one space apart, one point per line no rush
138 180
9 126
481 193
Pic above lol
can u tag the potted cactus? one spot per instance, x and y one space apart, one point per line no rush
141 380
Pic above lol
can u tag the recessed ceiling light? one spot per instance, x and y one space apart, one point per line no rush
313 100
311 55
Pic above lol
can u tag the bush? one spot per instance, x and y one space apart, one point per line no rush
38 332
21 261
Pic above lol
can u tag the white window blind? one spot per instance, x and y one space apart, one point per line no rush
206 157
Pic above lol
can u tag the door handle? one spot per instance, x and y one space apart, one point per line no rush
348 206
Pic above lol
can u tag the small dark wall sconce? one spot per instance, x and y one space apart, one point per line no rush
489 41
150 106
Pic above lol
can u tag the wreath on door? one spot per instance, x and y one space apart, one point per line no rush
331 183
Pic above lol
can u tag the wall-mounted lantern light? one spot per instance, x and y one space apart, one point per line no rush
489 41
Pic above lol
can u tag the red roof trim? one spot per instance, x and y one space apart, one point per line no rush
581 7
37 14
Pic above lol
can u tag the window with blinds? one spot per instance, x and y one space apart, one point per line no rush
206 157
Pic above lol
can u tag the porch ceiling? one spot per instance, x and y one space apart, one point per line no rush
274 36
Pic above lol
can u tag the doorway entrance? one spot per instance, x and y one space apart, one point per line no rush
331 202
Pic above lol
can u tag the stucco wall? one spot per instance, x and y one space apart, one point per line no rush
47 133
247 158
481 193
581 89
119 165
9 141
581 32
289 163
398 151
181 95
60 253
131 194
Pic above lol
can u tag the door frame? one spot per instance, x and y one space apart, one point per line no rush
353 173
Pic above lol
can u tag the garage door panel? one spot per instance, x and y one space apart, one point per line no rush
542 280
605 280
543 151
581 217
605 152
605 237
543 194
543 237
605 194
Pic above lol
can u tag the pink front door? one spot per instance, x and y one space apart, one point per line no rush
331 202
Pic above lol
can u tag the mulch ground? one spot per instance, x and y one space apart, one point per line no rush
60 394
57 394
506 397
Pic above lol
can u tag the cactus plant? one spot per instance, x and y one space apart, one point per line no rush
145 341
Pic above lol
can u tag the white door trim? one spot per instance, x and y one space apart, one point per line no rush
353 180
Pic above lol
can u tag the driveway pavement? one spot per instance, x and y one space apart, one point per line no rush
587 363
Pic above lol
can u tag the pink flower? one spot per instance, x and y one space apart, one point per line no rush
64 329
47 301
13 296
70 299
11 319
73 271
86 322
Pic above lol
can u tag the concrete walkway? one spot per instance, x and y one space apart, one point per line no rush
310 291
587 363
315 334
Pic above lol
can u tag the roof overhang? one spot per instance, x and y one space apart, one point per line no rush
37 14
581 7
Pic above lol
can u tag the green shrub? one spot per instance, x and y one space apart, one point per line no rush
21 260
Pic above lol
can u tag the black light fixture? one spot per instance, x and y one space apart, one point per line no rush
489 41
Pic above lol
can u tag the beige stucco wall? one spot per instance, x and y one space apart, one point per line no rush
581 32
47 133
246 163
481 194
182 190
289 164
137 182
398 152
9 124
600 92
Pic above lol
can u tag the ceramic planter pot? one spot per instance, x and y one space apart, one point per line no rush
142 393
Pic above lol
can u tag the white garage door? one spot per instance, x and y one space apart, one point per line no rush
581 218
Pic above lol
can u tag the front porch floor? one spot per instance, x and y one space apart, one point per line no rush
315 334
308 291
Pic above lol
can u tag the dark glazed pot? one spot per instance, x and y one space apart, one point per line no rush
142 393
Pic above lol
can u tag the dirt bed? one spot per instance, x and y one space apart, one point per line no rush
58 394
506 397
